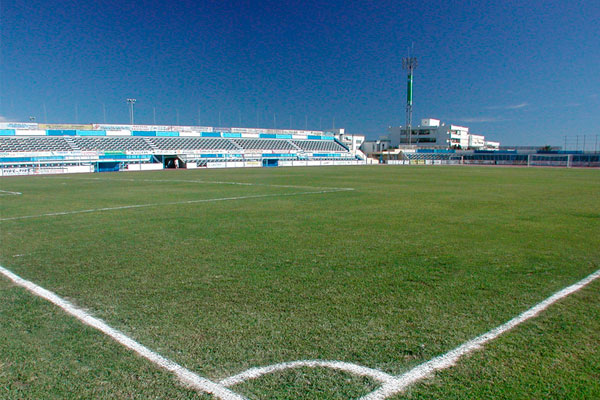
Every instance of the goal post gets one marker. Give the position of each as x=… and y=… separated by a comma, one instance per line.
x=549, y=160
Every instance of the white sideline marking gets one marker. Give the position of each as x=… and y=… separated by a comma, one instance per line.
x=212, y=182
x=450, y=358
x=258, y=196
x=7, y=193
x=185, y=376
x=355, y=369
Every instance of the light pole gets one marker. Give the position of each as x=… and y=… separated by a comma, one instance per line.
x=131, y=103
x=409, y=64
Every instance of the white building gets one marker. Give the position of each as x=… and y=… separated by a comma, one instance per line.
x=434, y=134
x=351, y=141
x=375, y=146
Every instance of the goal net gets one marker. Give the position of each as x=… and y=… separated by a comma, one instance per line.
x=549, y=160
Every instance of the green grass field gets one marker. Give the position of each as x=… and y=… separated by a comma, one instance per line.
x=221, y=276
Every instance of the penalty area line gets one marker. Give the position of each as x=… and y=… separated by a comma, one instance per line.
x=211, y=183
x=187, y=377
x=7, y=193
x=172, y=203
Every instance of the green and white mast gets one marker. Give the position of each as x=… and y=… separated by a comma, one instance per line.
x=409, y=64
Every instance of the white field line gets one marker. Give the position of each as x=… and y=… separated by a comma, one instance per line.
x=355, y=369
x=395, y=384
x=92, y=210
x=425, y=370
x=391, y=384
x=186, y=376
x=212, y=182
x=7, y=193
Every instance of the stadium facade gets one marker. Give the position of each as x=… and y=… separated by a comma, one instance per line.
x=432, y=133
x=433, y=142
x=32, y=148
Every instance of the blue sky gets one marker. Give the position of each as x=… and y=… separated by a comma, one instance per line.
x=520, y=72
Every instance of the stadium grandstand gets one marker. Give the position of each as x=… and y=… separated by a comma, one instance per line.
x=32, y=148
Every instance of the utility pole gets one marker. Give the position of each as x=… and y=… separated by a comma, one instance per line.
x=409, y=64
x=131, y=103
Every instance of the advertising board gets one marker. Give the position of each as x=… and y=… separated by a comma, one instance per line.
x=59, y=127
x=18, y=125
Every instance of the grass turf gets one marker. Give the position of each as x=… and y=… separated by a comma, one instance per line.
x=410, y=264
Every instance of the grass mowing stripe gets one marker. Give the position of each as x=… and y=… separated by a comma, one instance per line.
x=258, y=196
x=450, y=358
x=186, y=376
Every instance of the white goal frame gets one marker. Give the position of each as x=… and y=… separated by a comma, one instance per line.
x=549, y=160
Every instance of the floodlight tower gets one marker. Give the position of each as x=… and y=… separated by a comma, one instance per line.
x=409, y=64
x=131, y=103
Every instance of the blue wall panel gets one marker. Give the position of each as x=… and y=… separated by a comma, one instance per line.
x=166, y=133
x=211, y=155
x=231, y=135
x=326, y=155
x=91, y=133
x=31, y=159
x=7, y=132
x=271, y=155
x=108, y=166
x=210, y=134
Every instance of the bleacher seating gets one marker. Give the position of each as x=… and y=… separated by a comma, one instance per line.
x=264, y=144
x=111, y=143
x=318, y=145
x=157, y=144
x=24, y=148
x=183, y=143
x=33, y=144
